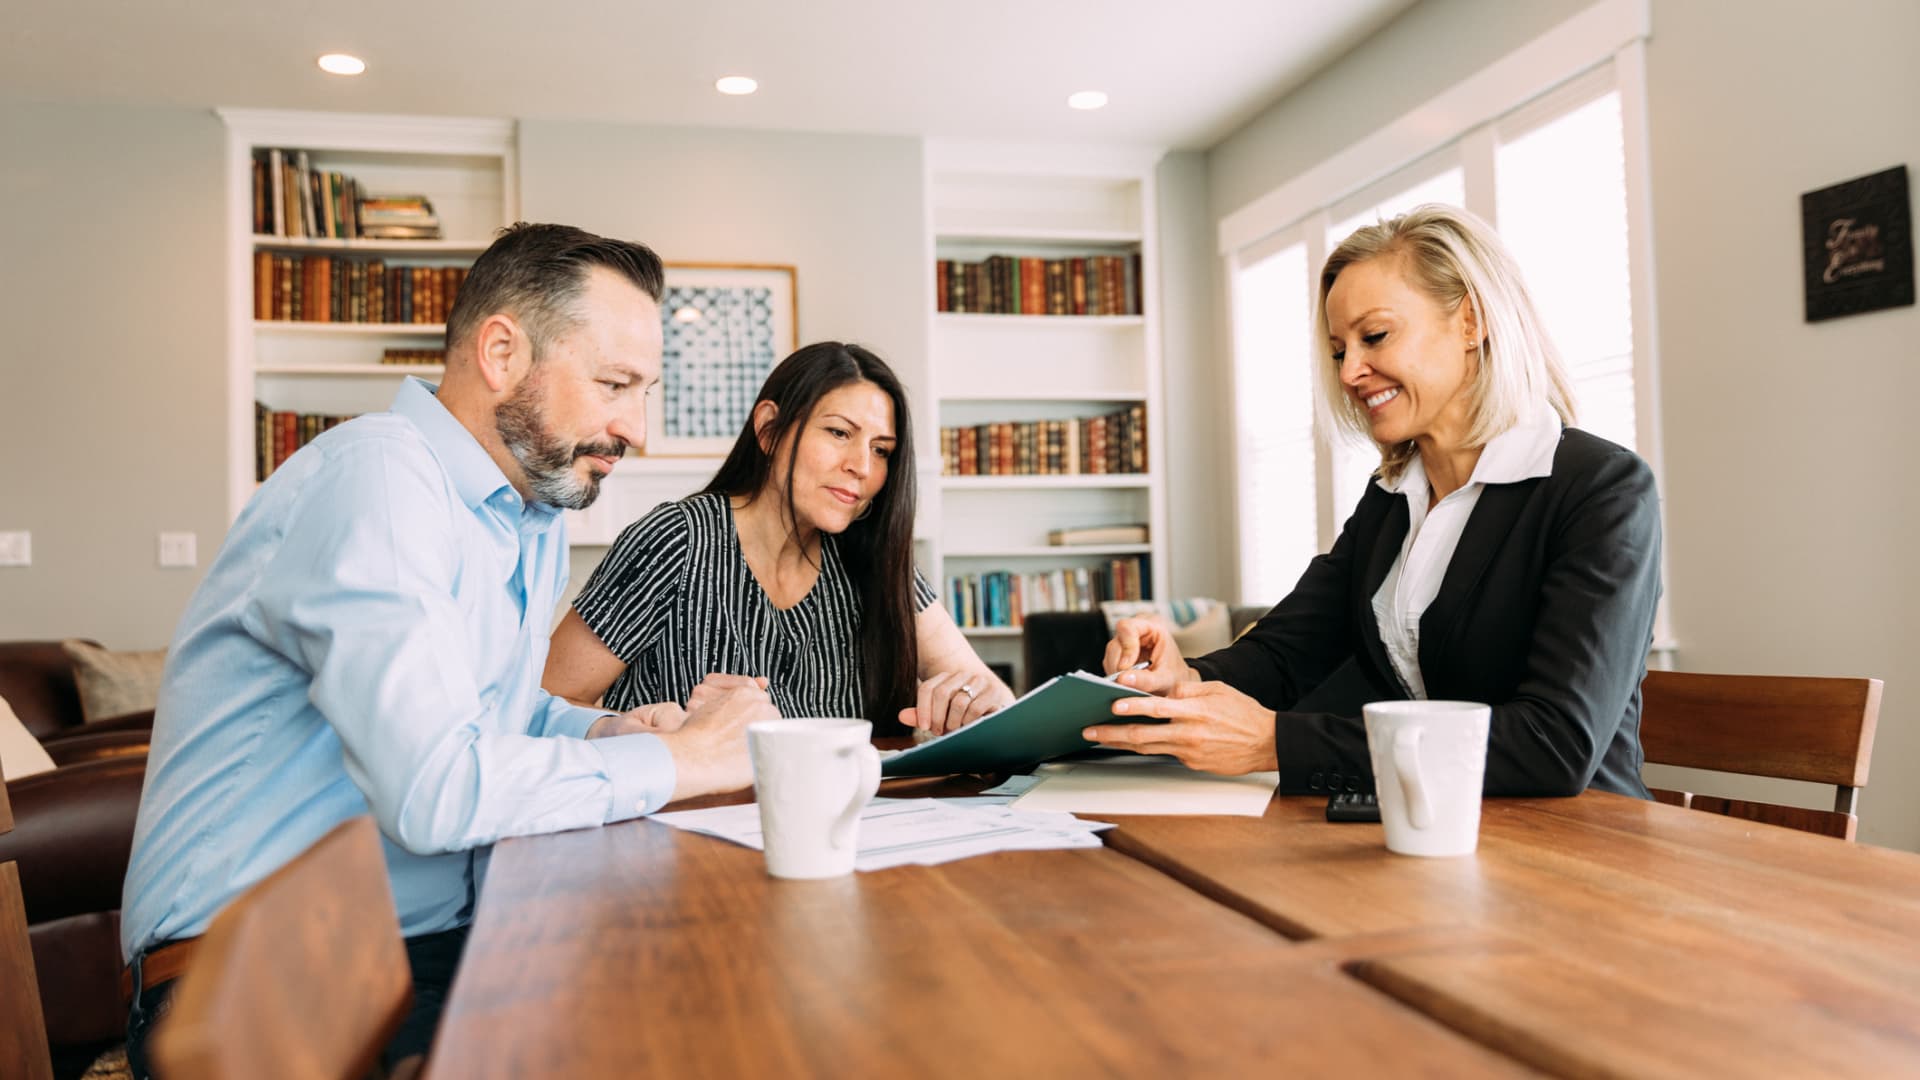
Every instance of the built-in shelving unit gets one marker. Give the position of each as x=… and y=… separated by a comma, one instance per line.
x=1050, y=204
x=465, y=167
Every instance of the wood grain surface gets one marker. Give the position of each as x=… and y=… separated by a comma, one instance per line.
x=1596, y=936
x=23, y=1029
x=639, y=950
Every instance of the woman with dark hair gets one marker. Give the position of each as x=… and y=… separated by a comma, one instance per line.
x=792, y=568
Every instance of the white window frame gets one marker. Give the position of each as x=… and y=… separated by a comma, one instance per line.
x=1463, y=120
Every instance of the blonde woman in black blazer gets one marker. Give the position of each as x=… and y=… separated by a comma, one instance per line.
x=1543, y=607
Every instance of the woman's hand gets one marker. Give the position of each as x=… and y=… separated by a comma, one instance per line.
x=718, y=685
x=645, y=719
x=951, y=700
x=1210, y=726
x=1142, y=638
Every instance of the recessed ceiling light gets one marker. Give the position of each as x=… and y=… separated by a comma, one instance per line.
x=687, y=315
x=335, y=63
x=735, y=84
x=1087, y=99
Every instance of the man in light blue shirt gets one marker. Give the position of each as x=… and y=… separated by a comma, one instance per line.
x=371, y=636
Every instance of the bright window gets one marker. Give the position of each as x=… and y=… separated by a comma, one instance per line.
x=1562, y=209
x=1273, y=396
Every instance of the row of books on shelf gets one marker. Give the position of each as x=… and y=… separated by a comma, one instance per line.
x=327, y=288
x=1020, y=285
x=413, y=357
x=1006, y=598
x=277, y=434
x=293, y=199
x=1114, y=443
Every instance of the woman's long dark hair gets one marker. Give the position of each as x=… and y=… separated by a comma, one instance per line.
x=878, y=548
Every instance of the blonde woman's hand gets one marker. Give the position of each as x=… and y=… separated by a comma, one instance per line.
x=1149, y=640
x=1209, y=726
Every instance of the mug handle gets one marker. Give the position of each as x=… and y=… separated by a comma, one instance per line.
x=869, y=762
x=1406, y=764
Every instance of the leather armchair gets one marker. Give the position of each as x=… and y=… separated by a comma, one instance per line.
x=72, y=835
x=36, y=679
x=1056, y=642
x=73, y=832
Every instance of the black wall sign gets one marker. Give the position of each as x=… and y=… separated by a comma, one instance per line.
x=1857, y=241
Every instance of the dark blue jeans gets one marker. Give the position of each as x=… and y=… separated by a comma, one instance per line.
x=434, y=958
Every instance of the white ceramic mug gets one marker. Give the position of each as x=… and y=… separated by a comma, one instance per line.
x=812, y=777
x=1429, y=758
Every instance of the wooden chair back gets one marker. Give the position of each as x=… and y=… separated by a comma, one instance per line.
x=23, y=1027
x=303, y=977
x=1789, y=727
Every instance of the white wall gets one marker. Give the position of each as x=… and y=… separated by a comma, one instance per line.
x=1789, y=516
x=844, y=210
x=1434, y=45
x=112, y=368
x=1199, y=549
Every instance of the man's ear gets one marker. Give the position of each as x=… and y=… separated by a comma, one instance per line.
x=764, y=414
x=498, y=348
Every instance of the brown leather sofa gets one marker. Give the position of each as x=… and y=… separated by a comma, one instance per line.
x=73, y=831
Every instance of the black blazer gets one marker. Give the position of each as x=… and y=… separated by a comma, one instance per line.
x=1545, y=613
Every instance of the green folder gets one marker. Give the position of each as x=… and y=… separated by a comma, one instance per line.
x=1043, y=725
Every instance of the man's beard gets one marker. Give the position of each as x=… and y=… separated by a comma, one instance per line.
x=546, y=458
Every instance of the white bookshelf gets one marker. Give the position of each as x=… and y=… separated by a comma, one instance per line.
x=1043, y=483
x=1051, y=202
x=352, y=371
x=467, y=167
x=290, y=327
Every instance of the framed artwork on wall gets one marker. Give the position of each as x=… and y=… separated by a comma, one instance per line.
x=724, y=327
x=1857, y=245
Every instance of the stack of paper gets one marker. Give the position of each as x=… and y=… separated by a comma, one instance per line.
x=1131, y=784
x=902, y=832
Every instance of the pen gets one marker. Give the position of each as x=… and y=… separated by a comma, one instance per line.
x=1115, y=677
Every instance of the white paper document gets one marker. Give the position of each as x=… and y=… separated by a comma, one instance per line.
x=1133, y=784
x=1012, y=786
x=901, y=832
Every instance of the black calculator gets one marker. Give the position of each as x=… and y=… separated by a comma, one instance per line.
x=1348, y=806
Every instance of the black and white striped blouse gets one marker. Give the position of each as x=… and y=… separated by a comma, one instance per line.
x=675, y=600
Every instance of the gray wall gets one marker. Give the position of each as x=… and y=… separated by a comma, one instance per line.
x=113, y=370
x=1788, y=514
x=845, y=210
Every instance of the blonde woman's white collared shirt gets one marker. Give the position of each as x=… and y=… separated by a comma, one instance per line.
x=1522, y=452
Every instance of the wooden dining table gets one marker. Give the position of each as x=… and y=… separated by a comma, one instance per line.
x=1592, y=936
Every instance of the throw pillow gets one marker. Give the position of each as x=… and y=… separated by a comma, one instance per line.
x=20, y=753
x=1208, y=632
x=114, y=683
x=1200, y=625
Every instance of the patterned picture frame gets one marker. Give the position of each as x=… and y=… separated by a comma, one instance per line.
x=724, y=326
